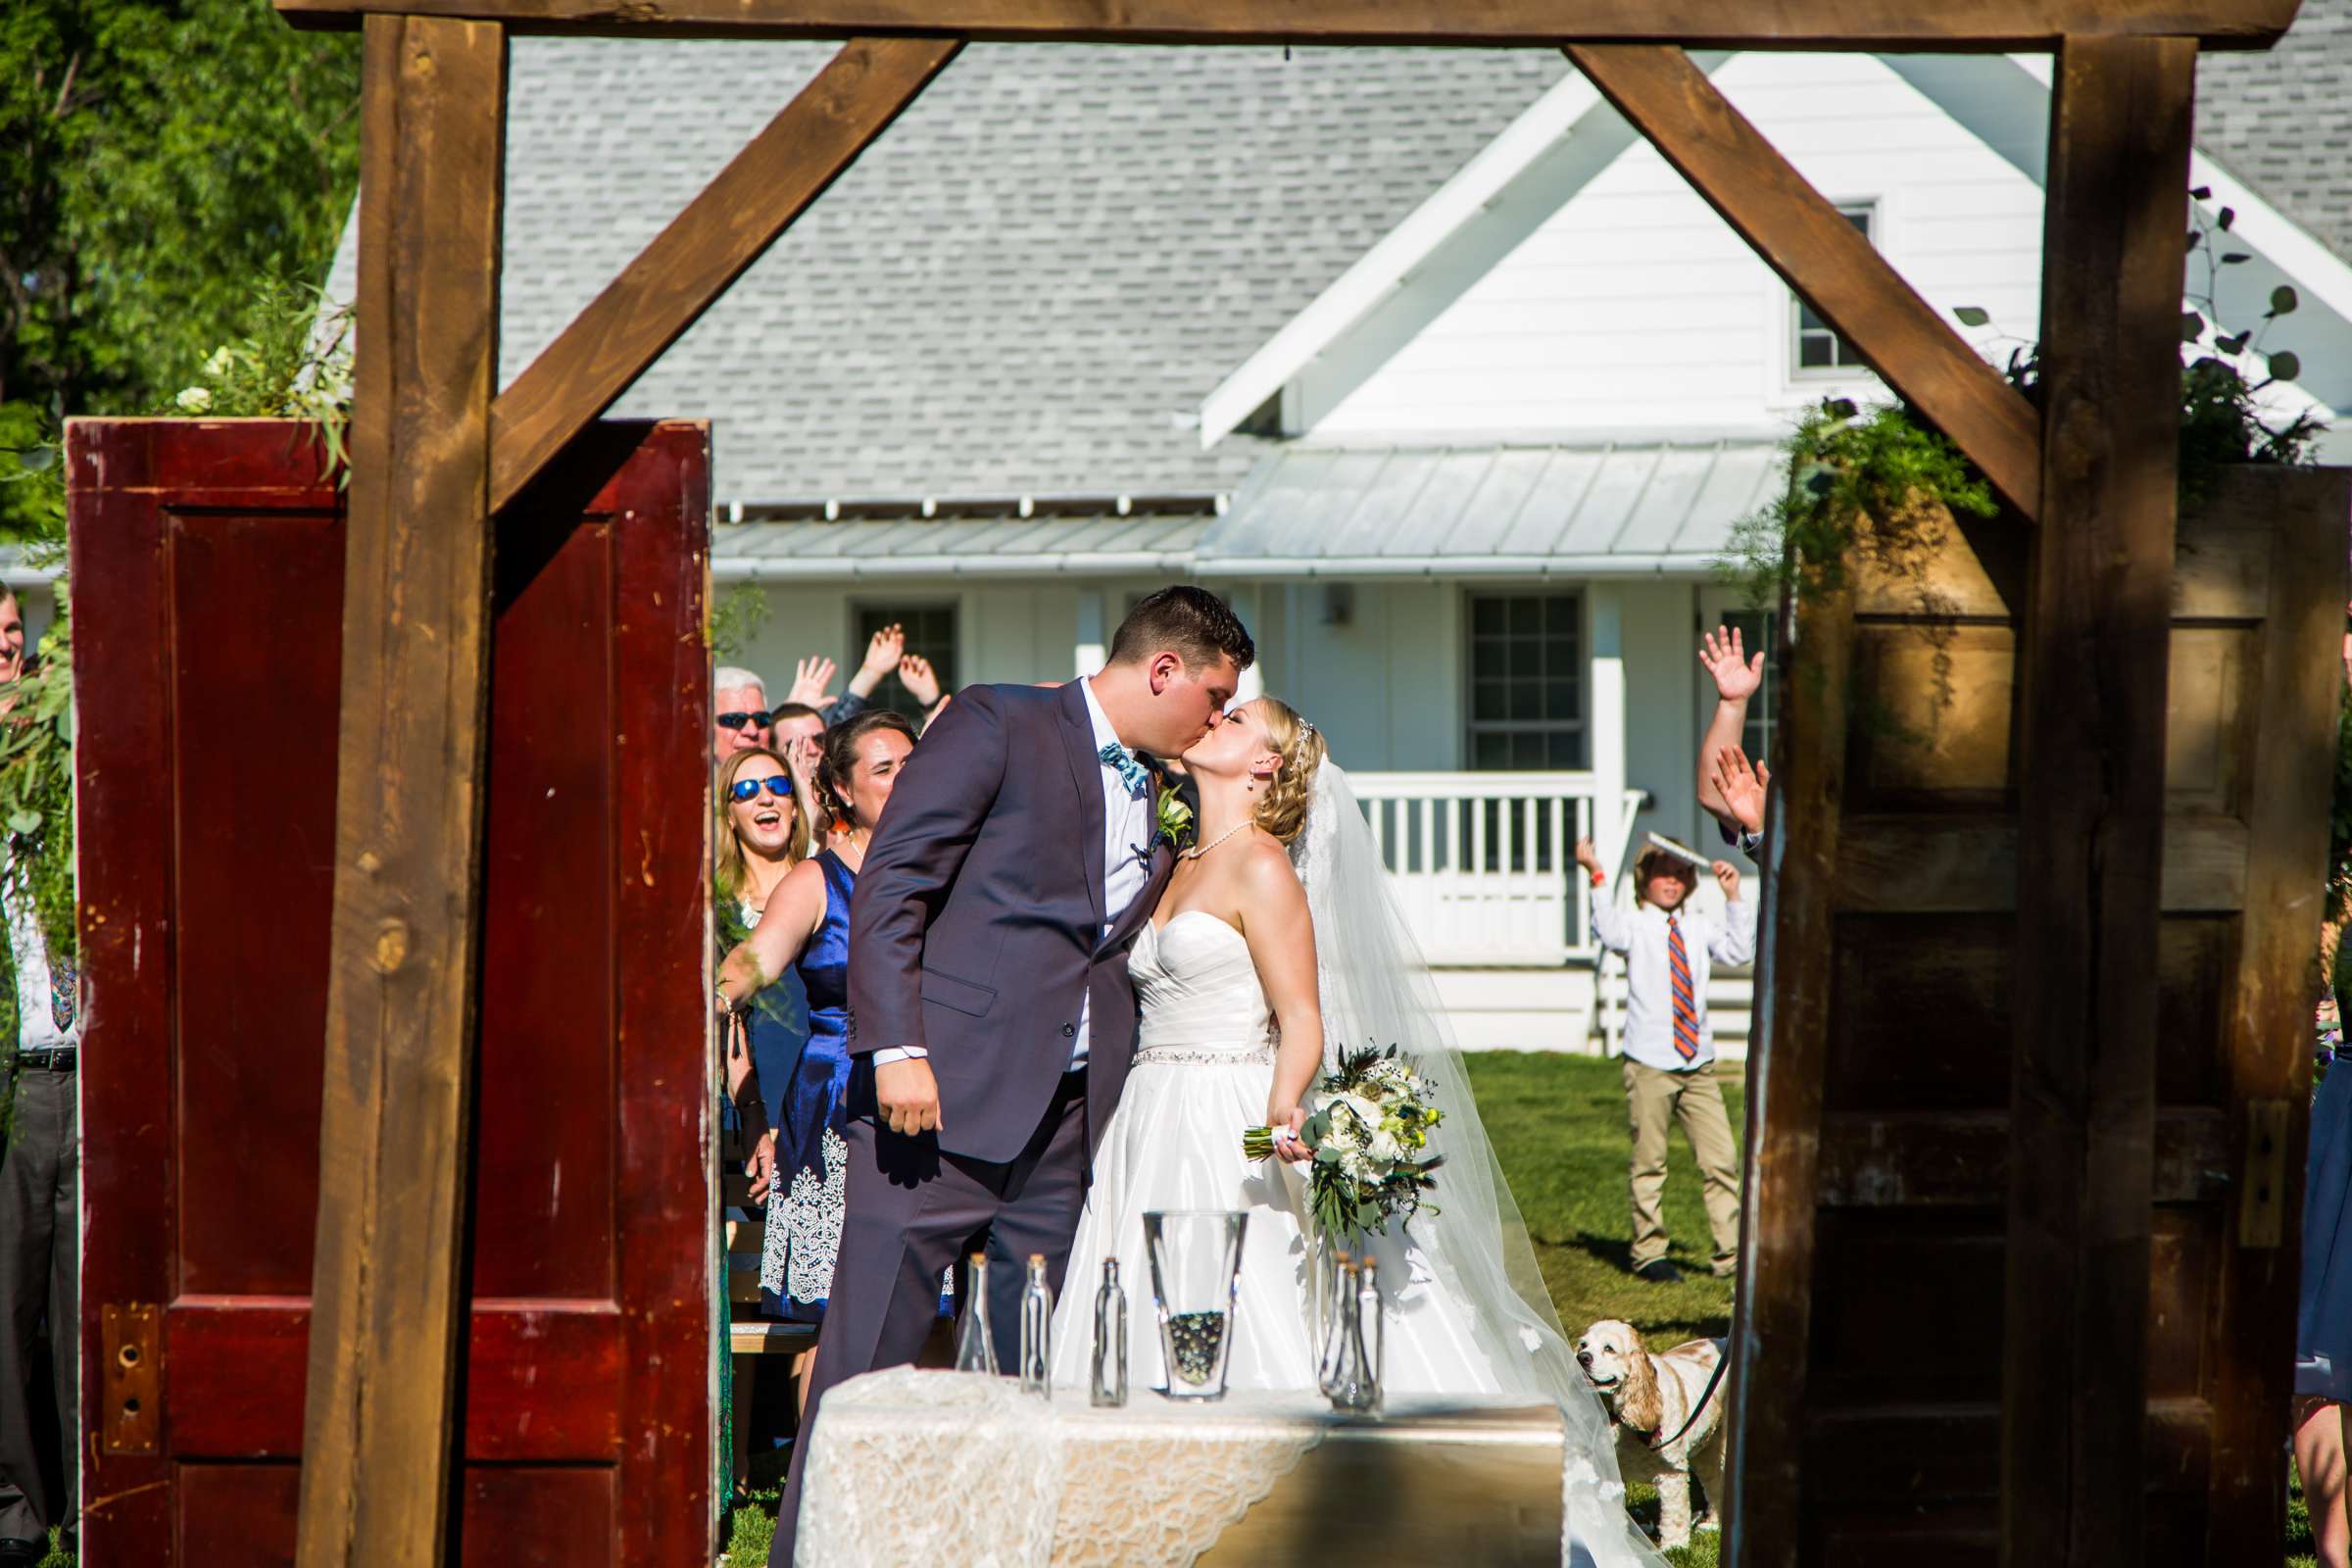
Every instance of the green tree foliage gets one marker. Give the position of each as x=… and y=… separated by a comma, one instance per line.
x=158, y=159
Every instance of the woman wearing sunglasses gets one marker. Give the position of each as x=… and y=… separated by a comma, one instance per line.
x=806, y=928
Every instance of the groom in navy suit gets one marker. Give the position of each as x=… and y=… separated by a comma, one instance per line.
x=991, y=1011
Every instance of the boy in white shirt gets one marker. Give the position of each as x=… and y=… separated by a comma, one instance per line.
x=1669, y=1055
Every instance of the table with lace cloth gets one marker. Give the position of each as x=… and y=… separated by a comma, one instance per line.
x=915, y=1469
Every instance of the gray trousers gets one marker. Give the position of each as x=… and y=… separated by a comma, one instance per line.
x=39, y=1247
x=908, y=1213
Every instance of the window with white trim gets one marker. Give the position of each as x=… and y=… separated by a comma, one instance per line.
x=1816, y=348
x=1527, y=681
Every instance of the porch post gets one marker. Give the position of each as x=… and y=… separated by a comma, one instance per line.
x=1093, y=637
x=1604, y=715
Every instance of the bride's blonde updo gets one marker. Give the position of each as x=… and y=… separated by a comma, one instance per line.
x=1282, y=811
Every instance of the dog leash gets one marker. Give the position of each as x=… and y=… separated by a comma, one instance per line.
x=1704, y=1394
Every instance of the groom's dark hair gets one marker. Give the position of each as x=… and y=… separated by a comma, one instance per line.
x=1191, y=622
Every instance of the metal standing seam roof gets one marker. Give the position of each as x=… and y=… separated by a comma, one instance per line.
x=1557, y=509
x=913, y=546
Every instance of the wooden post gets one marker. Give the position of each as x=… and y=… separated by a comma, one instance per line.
x=378, y=1438
x=2095, y=643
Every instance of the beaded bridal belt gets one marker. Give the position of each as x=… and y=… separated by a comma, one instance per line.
x=1198, y=1056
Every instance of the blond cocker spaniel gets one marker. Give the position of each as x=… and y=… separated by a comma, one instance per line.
x=1669, y=1411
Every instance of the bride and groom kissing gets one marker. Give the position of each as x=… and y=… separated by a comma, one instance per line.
x=1060, y=1018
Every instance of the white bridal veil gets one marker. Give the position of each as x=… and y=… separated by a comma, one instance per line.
x=1377, y=991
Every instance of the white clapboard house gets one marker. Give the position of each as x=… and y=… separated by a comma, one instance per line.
x=1421, y=357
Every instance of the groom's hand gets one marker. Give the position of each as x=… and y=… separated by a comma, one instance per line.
x=909, y=1096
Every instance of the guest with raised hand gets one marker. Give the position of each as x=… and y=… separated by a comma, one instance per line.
x=885, y=650
x=1738, y=676
x=922, y=684
x=809, y=678
x=799, y=739
x=806, y=928
x=1744, y=788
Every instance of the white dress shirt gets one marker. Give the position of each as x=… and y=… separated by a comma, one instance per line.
x=1640, y=933
x=1126, y=866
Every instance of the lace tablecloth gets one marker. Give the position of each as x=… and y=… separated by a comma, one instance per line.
x=916, y=1469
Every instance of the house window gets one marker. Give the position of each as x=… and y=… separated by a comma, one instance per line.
x=1758, y=629
x=1527, y=681
x=1817, y=350
x=930, y=632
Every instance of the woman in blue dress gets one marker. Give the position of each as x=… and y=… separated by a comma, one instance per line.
x=806, y=928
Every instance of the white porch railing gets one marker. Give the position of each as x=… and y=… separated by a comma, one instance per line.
x=1485, y=863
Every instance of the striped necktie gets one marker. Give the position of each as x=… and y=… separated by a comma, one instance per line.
x=1686, y=1000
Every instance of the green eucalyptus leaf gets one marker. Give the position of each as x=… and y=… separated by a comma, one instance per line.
x=2192, y=327
x=2285, y=366
x=2228, y=217
x=2202, y=193
x=1972, y=316
x=24, y=821
x=2197, y=237
x=37, y=459
x=2283, y=299
x=2232, y=257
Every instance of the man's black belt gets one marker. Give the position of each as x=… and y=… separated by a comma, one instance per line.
x=58, y=1058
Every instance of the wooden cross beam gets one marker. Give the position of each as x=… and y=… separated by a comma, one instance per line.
x=1835, y=267
x=409, y=799
x=1978, y=24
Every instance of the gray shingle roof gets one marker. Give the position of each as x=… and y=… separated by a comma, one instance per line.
x=1027, y=285
x=2281, y=121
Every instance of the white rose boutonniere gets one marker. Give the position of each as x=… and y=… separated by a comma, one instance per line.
x=1175, y=818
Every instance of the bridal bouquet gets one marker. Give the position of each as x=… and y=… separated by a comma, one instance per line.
x=1367, y=1138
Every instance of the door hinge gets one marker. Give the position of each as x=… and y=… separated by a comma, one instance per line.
x=2262, y=1196
x=134, y=1363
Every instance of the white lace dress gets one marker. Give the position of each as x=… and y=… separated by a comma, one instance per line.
x=1202, y=1069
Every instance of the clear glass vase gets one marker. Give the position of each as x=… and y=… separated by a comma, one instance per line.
x=1354, y=1380
x=1196, y=1269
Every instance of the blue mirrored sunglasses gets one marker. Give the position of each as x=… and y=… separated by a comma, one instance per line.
x=745, y=789
x=759, y=719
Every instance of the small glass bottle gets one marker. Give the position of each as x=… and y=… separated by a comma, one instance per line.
x=1352, y=1387
x=1111, y=1338
x=1337, y=1303
x=1037, y=1330
x=976, y=1345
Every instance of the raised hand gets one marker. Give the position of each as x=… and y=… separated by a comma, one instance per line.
x=921, y=680
x=883, y=651
x=1588, y=856
x=1742, y=786
x=1727, y=877
x=810, y=679
x=1737, y=677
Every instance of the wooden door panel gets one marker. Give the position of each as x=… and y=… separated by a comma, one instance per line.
x=1880, y=1198
x=537, y=1517
x=207, y=677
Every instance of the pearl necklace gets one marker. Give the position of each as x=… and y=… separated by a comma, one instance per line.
x=1199, y=850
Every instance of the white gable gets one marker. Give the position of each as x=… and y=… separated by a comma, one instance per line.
x=1635, y=309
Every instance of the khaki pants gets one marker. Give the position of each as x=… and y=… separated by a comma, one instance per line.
x=1653, y=1098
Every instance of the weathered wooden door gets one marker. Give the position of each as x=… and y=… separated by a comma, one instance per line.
x=207, y=570
x=1869, y=1337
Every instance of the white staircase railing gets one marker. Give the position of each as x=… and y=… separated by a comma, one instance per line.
x=1485, y=863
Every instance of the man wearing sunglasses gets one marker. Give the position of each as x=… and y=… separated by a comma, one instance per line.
x=739, y=697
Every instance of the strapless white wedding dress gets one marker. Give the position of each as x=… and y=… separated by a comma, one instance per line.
x=1203, y=1066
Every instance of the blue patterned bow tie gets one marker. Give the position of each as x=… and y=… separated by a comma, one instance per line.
x=1131, y=771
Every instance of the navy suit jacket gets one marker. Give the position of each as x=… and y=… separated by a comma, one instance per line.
x=977, y=928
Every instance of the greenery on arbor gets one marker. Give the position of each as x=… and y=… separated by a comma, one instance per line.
x=159, y=160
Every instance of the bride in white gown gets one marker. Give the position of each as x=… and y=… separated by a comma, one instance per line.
x=1275, y=943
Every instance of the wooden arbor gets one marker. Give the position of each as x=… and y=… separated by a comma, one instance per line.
x=438, y=450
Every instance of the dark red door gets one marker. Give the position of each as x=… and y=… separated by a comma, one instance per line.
x=208, y=578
